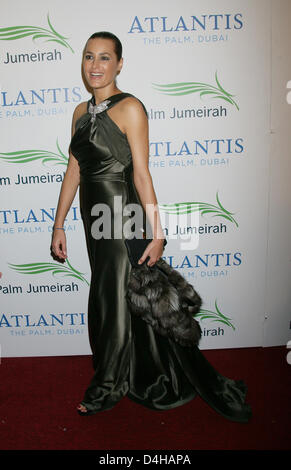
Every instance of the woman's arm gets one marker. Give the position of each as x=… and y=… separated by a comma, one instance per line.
x=137, y=132
x=67, y=194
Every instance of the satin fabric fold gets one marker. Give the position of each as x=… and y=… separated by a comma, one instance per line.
x=129, y=358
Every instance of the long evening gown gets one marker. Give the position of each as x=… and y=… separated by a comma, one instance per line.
x=129, y=358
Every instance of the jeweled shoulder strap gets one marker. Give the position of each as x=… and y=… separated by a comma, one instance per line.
x=110, y=102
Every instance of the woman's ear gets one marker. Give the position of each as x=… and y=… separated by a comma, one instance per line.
x=120, y=65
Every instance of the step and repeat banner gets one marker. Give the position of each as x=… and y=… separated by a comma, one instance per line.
x=203, y=71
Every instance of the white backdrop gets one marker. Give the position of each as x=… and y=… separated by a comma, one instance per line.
x=209, y=147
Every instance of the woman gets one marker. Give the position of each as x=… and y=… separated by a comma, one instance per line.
x=108, y=159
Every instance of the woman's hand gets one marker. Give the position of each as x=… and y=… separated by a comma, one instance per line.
x=154, y=250
x=59, y=244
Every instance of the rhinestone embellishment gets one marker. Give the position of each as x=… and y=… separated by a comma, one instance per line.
x=98, y=108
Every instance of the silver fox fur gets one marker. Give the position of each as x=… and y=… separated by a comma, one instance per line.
x=163, y=298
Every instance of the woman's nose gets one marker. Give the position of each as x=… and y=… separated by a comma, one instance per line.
x=94, y=63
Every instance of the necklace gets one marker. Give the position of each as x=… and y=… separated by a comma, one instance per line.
x=97, y=108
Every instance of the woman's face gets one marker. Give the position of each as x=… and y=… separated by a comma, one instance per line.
x=100, y=63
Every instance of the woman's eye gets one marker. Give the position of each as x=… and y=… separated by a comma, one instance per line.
x=88, y=56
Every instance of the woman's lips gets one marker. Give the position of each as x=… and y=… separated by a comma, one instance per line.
x=96, y=75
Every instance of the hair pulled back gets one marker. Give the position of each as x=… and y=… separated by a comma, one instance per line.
x=112, y=37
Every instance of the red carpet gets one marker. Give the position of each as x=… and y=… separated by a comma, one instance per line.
x=38, y=397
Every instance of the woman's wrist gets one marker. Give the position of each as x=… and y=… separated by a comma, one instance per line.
x=159, y=236
x=161, y=239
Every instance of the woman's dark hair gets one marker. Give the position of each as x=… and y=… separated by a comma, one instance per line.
x=107, y=35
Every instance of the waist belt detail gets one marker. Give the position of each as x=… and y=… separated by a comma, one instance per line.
x=106, y=177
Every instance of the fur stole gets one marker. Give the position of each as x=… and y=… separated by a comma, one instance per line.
x=163, y=298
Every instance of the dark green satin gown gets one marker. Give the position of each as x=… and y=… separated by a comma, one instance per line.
x=129, y=358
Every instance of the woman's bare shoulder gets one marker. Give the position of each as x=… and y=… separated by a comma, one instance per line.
x=80, y=109
x=133, y=106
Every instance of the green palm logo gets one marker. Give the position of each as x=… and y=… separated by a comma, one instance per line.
x=18, y=32
x=202, y=207
x=55, y=268
x=186, y=88
x=26, y=156
x=215, y=316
